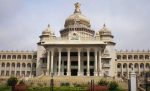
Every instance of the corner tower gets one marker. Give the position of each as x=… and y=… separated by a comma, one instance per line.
x=109, y=53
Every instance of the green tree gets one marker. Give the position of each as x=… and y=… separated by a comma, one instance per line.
x=113, y=85
x=12, y=81
x=103, y=82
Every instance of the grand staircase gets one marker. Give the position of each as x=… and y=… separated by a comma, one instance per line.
x=75, y=80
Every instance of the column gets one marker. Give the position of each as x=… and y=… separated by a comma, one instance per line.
x=100, y=64
x=0, y=68
x=88, y=62
x=10, y=69
x=15, y=68
x=79, y=62
x=68, y=62
x=5, y=69
x=20, y=74
x=127, y=70
x=48, y=59
x=139, y=68
x=59, y=62
x=121, y=69
x=52, y=62
x=95, y=71
x=26, y=70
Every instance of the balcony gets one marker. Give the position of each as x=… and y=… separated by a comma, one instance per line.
x=106, y=56
x=106, y=66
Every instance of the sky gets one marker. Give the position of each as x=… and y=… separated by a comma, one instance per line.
x=22, y=21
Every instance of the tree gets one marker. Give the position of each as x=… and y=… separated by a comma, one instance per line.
x=12, y=81
x=113, y=85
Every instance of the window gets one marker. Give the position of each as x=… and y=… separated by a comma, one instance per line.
x=73, y=54
x=85, y=63
x=74, y=63
x=64, y=54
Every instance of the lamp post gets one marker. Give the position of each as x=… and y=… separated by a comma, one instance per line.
x=52, y=83
x=147, y=75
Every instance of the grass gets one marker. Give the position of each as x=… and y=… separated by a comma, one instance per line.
x=5, y=88
x=62, y=88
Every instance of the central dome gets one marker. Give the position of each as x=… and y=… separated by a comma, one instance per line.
x=77, y=18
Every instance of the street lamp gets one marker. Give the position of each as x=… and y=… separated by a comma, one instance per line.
x=147, y=75
x=52, y=83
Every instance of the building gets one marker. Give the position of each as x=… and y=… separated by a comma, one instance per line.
x=79, y=51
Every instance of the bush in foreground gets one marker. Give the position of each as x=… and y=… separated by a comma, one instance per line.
x=12, y=81
x=113, y=85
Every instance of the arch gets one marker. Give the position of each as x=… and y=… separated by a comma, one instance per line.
x=141, y=57
x=2, y=72
x=14, y=57
x=34, y=56
x=34, y=65
x=119, y=65
x=136, y=65
x=24, y=57
x=125, y=65
x=3, y=64
x=19, y=57
x=18, y=65
x=124, y=57
x=13, y=64
x=8, y=65
x=29, y=56
x=29, y=65
x=130, y=57
x=135, y=57
x=23, y=65
x=147, y=66
x=147, y=57
x=130, y=65
x=119, y=57
x=8, y=56
x=4, y=57
x=142, y=65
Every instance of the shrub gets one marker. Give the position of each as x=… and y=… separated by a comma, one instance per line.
x=99, y=88
x=103, y=82
x=113, y=85
x=76, y=85
x=65, y=84
x=12, y=81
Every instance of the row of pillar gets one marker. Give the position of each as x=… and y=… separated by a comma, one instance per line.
x=50, y=56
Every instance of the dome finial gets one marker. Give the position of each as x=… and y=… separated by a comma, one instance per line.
x=104, y=25
x=48, y=25
x=77, y=8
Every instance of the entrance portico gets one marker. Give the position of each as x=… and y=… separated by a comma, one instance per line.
x=73, y=61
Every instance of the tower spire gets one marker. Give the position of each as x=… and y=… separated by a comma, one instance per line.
x=77, y=7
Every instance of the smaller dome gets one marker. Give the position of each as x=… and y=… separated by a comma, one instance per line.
x=48, y=31
x=105, y=30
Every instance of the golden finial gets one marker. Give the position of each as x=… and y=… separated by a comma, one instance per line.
x=77, y=8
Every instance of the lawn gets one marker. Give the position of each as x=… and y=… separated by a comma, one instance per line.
x=63, y=88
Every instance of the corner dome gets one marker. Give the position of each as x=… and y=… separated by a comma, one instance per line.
x=77, y=18
x=105, y=30
x=48, y=31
